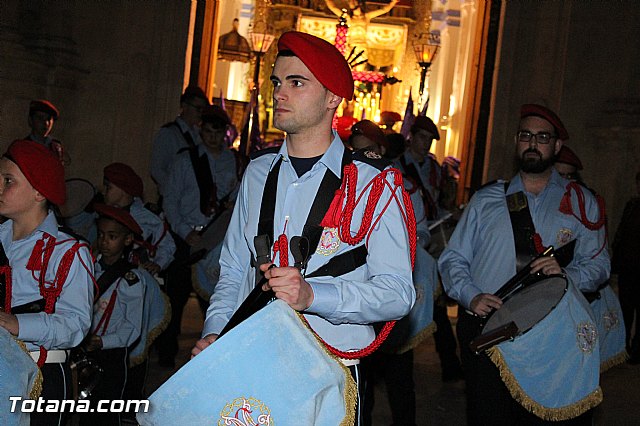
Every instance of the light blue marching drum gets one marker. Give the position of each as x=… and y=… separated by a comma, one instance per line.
x=611, y=331
x=269, y=370
x=411, y=330
x=156, y=314
x=553, y=369
x=207, y=272
x=19, y=377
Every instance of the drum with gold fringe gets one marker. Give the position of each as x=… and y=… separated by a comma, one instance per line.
x=207, y=272
x=611, y=332
x=411, y=330
x=156, y=314
x=19, y=377
x=269, y=370
x=552, y=370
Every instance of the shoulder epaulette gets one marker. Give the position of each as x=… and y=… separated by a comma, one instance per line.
x=371, y=158
x=260, y=153
x=494, y=182
x=131, y=278
x=169, y=124
x=72, y=233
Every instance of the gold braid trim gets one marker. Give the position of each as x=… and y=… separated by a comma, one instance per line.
x=153, y=333
x=36, y=387
x=417, y=339
x=613, y=361
x=197, y=287
x=350, y=388
x=549, y=414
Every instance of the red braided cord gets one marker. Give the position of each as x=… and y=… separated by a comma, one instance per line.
x=351, y=177
x=537, y=242
x=106, y=316
x=567, y=207
x=6, y=271
x=283, y=247
x=371, y=348
x=52, y=293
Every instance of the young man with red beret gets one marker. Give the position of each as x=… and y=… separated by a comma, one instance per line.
x=506, y=226
x=280, y=198
x=568, y=164
x=202, y=185
x=420, y=167
x=118, y=309
x=367, y=135
x=123, y=188
x=42, y=115
x=47, y=284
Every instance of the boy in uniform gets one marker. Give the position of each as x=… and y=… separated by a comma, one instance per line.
x=42, y=115
x=46, y=287
x=124, y=188
x=117, y=312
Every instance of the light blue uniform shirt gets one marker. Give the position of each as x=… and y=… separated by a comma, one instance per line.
x=481, y=256
x=166, y=144
x=153, y=225
x=126, y=319
x=182, y=197
x=424, y=172
x=67, y=326
x=343, y=307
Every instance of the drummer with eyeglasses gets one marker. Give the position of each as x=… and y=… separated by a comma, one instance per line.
x=505, y=226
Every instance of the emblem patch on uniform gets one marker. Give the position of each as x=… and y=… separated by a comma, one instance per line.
x=372, y=155
x=329, y=242
x=563, y=237
x=611, y=320
x=131, y=277
x=245, y=412
x=587, y=337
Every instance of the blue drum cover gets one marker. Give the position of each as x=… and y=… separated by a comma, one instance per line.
x=553, y=370
x=269, y=370
x=611, y=331
x=19, y=376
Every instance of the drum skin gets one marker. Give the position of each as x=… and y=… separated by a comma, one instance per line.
x=530, y=305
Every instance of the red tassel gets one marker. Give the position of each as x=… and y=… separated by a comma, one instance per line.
x=35, y=260
x=565, y=203
x=332, y=217
x=537, y=242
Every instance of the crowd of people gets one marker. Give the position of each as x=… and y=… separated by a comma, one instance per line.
x=337, y=228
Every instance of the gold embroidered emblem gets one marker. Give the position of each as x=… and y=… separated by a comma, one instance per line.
x=587, y=336
x=563, y=237
x=329, y=242
x=245, y=412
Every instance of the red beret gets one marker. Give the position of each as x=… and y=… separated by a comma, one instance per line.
x=124, y=178
x=528, y=110
x=43, y=105
x=343, y=126
x=567, y=156
x=214, y=114
x=41, y=167
x=370, y=130
x=322, y=58
x=390, y=116
x=425, y=123
x=119, y=215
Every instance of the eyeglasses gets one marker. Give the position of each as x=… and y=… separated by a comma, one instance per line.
x=541, y=138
